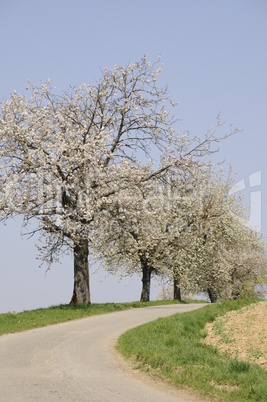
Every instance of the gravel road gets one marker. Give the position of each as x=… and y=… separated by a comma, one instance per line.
x=74, y=361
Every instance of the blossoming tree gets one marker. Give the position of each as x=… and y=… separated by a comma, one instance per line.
x=218, y=252
x=133, y=237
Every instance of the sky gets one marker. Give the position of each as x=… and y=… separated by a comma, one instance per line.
x=214, y=54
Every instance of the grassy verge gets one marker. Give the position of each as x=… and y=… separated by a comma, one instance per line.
x=17, y=322
x=171, y=348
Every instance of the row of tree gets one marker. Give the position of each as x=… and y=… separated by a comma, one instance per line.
x=103, y=168
x=189, y=230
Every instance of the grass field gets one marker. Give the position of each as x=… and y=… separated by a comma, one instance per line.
x=171, y=348
x=17, y=322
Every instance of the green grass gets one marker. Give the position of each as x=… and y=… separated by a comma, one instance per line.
x=171, y=347
x=17, y=322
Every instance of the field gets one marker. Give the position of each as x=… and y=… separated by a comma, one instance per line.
x=175, y=349
x=242, y=334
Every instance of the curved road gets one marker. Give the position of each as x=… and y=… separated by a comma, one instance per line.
x=74, y=361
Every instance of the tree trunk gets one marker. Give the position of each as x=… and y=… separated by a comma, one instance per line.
x=81, y=291
x=212, y=295
x=146, y=279
x=176, y=290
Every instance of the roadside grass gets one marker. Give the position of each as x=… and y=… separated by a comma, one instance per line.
x=17, y=322
x=171, y=348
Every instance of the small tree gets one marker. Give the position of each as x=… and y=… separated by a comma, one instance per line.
x=133, y=238
x=220, y=253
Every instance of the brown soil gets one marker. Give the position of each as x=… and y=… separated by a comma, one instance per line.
x=242, y=334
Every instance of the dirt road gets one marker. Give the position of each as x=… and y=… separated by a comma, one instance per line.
x=75, y=361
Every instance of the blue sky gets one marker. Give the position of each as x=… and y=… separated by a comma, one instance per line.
x=215, y=60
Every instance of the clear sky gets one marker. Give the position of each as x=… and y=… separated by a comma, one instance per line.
x=215, y=60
